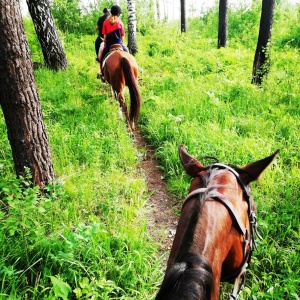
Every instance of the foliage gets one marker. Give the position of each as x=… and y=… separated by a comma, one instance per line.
x=50, y=250
x=237, y=31
x=71, y=17
x=87, y=237
x=288, y=36
x=67, y=15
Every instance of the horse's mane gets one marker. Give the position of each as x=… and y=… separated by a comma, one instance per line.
x=190, y=279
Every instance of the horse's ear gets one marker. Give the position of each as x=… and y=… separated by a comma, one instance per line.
x=254, y=170
x=190, y=164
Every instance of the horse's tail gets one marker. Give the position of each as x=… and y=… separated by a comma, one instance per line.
x=190, y=279
x=135, y=96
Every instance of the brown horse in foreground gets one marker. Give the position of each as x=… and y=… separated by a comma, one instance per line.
x=120, y=69
x=216, y=231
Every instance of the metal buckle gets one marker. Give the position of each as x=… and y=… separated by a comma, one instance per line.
x=254, y=228
x=239, y=285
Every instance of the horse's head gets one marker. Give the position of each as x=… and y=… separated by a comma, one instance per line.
x=218, y=220
x=226, y=177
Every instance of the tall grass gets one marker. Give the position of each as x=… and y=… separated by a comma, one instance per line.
x=87, y=238
x=203, y=98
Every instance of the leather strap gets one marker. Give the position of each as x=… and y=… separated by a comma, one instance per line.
x=232, y=211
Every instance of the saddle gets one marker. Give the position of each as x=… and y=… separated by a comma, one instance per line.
x=115, y=47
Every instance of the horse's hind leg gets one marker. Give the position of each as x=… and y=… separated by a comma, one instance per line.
x=119, y=94
x=124, y=108
x=114, y=93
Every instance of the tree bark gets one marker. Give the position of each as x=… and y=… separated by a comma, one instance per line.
x=261, y=64
x=183, y=16
x=157, y=10
x=19, y=98
x=53, y=51
x=154, y=10
x=132, y=42
x=223, y=23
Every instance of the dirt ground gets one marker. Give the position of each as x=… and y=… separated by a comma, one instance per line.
x=162, y=219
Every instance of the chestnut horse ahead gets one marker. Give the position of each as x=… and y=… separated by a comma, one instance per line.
x=216, y=231
x=120, y=69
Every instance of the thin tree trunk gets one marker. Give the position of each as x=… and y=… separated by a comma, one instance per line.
x=183, y=15
x=261, y=64
x=157, y=3
x=132, y=43
x=19, y=98
x=53, y=51
x=154, y=9
x=223, y=23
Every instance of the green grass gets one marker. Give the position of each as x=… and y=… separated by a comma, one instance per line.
x=88, y=236
x=203, y=99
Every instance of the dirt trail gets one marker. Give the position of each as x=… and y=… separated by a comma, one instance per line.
x=162, y=219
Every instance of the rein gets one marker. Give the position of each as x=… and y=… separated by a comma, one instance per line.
x=249, y=239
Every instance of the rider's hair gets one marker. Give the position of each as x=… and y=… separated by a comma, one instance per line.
x=113, y=19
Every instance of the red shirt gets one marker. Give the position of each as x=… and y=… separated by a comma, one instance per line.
x=114, y=33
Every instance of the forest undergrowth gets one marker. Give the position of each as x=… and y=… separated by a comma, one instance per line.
x=87, y=237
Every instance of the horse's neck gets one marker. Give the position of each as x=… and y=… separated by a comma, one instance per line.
x=212, y=239
x=208, y=233
x=212, y=231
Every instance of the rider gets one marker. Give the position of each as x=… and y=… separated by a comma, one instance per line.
x=113, y=32
x=99, y=26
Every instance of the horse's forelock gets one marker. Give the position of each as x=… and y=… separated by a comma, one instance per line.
x=215, y=175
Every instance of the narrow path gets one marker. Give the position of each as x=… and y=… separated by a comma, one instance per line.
x=162, y=219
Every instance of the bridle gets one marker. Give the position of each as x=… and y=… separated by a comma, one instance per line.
x=238, y=277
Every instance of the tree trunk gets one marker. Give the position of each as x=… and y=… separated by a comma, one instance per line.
x=183, y=16
x=53, y=51
x=132, y=43
x=157, y=10
x=261, y=64
x=223, y=23
x=19, y=98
